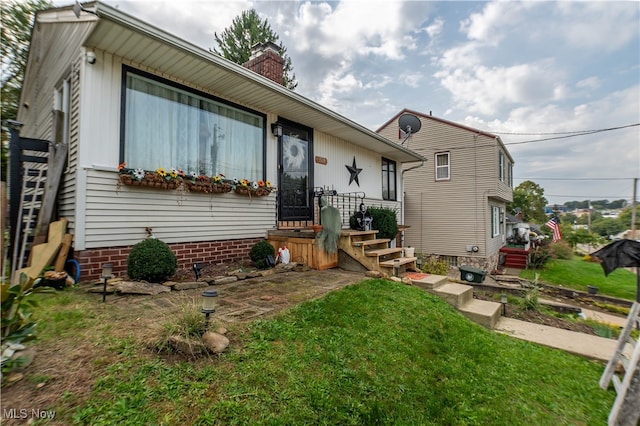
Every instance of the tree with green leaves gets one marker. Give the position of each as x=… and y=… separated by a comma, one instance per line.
x=246, y=30
x=528, y=198
x=17, y=21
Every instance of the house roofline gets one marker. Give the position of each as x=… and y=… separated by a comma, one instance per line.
x=450, y=123
x=107, y=12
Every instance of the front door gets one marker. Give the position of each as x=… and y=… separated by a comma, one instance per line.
x=295, y=178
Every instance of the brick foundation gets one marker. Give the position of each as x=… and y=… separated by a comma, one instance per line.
x=207, y=252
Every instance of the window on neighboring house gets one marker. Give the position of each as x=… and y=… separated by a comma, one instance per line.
x=510, y=175
x=388, y=180
x=501, y=168
x=495, y=221
x=168, y=125
x=442, y=166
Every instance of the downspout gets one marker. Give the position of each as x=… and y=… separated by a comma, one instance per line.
x=402, y=182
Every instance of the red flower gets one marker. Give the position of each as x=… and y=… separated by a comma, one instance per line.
x=122, y=165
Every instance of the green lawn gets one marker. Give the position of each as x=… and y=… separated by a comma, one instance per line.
x=578, y=274
x=373, y=353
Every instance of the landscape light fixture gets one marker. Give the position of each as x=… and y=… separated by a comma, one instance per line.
x=208, y=305
x=276, y=129
x=396, y=267
x=419, y=263
x=503, y=300
x=197, y=268
x=107, y=273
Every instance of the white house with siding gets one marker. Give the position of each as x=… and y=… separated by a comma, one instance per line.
x=133, y=93
x=455, y=204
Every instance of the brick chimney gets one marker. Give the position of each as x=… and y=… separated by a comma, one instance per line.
x=266, y=60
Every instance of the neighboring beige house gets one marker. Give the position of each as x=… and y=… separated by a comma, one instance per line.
x=455, y=203
x=131, y=92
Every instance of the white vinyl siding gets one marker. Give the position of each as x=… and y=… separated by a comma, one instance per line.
x=443, y=167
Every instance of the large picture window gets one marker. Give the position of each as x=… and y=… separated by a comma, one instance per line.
x=388, y=180
x=166, y=125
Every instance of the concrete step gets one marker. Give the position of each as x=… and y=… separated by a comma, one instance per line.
x=427, y=281
x=456, y=295
x=483, y=312
x=401, y=261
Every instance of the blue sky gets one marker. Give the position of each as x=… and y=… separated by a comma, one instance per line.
x=508, y=67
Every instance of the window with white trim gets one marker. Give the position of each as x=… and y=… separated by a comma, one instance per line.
x=442, y=166
x=495, y=221
x=388, y=179
x=171, y=126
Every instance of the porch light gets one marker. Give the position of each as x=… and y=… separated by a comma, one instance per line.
x=503, y=300
x=107, y=273
x=208, y=305
x=276, y=129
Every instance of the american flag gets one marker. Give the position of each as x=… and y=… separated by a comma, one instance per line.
x=553, y=224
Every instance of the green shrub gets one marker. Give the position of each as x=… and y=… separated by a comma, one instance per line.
x=540, y=255
x=433, y=265
x=151, y=260
x=259, y=253
x=530, y=300
x=384, y=221
x=18, y=324
x=561, y=250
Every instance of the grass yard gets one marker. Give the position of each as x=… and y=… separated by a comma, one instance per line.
x=578, y=274
x=375, y=352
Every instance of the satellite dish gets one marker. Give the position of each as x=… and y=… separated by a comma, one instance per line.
x=409, y=123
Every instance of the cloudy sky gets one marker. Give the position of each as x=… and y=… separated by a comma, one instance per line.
x=524, y=70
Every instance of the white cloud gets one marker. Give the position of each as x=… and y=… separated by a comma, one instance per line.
x=488, y=90
x=599, y=25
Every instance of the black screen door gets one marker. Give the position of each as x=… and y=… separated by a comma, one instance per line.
x=295, y=186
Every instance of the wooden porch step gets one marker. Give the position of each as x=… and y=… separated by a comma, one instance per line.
x=353, y=232
x=382, y=252
x=401, y=261
x=371, y=242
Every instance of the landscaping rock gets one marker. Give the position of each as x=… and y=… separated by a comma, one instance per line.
x=396, y=279
x=285, y=267
x=189, y=285
x=267, y=272
x=406, y=280
x=224, y=280
x=140, y=287
x=215, y=342
x=374, y=274
x=221, y=330
x=186, y=346
x=301, y=268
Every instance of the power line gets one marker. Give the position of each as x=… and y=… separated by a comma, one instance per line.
x=558, y=133
x=552, y=178
x=572, y=135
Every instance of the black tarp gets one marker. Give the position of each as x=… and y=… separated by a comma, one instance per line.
x=620, y=254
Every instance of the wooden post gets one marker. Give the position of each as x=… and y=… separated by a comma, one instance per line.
x=55, y=170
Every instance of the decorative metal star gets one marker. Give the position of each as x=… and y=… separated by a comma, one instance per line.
x=354, y=170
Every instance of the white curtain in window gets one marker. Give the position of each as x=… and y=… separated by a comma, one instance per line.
x=168, y=127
